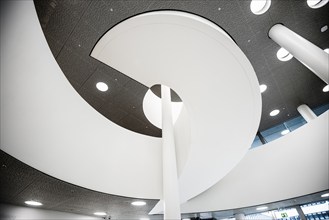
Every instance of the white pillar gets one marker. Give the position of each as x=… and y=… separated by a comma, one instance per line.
x=170, y=180
x=306, y=112
x=239, y=216
x=306, y=52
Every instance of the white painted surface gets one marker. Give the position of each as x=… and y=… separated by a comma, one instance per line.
x=291, y=166
x=210, y=73
x=153, y=112
x=171, y=202
x=310, y=55
x=10, y=212
x=46, y=124
x=306, y=112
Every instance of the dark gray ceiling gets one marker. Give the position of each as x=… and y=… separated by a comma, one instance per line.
x=20, y=182
x=72, y=28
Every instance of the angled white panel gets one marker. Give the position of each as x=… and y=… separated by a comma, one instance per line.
x=46, y=124
x=294, y=165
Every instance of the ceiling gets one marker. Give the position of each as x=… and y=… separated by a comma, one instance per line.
x=72, y=28
x=23, y=182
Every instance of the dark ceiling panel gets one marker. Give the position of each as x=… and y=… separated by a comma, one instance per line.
x=20, y=182
x=72, y=30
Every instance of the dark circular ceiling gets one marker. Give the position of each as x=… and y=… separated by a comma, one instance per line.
x=72, y=28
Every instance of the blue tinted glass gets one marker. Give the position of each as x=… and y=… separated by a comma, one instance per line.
x=256, y=142
x=319, y=110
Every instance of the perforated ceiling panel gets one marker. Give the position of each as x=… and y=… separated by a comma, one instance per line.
x=72, y=28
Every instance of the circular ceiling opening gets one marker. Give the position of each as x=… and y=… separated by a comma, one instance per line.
x=259, y=7
x=283, y=54
x=156, y=89
x=152, y=105
x=316, y=3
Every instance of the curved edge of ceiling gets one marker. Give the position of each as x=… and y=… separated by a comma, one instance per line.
x=292, y=166
x=210, y=74
x=46, y=124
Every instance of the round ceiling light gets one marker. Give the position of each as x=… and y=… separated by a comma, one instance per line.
x=138, y=203
x=102, y=86
x=33, y=203
x=274, y=112
x=283, y=54
x=262, y=208
x=259, y=7
x=324, y=28
x=325, y=195
x=262, y=88
x=326, y=88
x=317, y=3
x=284, y=132
x=326, y=50
x=100, y=213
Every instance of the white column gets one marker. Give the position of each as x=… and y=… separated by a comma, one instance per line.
x=170, y=180
x=239, y=216
x=306, y=52
x=306, y=112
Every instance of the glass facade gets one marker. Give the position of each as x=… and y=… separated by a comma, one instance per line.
x=275, y=132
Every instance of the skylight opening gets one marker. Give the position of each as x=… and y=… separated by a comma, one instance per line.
x=259, y=7
x=316, y=3
x=283, y=55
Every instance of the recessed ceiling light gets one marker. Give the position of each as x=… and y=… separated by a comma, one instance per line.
x=100, y=213
x=324, y=28
x=326, y=88
x=316, y=3
x=33, y=203
x=102, y=86
x=262, y=208
x=326, y=50
x=325, y=195
x=259, y=7
x=138, y=203
x=284, y=132
x=274, y=112
x=283, y=54
x=262, y=88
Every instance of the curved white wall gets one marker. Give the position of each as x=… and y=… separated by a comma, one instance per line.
x=210, y=73
x=291, y=166
x=46, y=124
